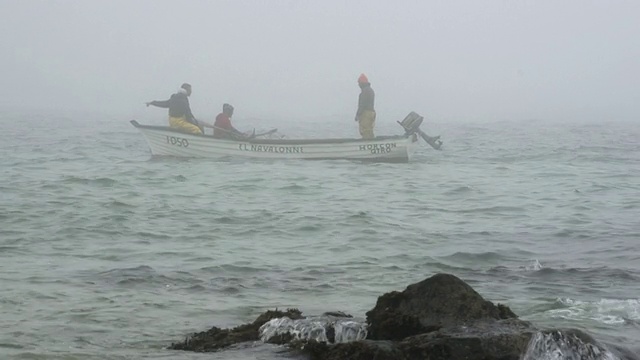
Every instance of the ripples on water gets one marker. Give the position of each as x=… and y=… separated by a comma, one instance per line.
x=105, y=253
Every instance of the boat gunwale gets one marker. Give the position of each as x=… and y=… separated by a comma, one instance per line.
x=273, y=141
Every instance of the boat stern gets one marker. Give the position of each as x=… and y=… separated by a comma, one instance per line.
x=412, y=145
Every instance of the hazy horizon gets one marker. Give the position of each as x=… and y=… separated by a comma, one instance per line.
x=464, y=60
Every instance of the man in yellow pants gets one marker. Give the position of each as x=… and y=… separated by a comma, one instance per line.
x=366, y=115
x=180, y=116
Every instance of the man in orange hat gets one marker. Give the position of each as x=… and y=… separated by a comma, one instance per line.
x=366, y=115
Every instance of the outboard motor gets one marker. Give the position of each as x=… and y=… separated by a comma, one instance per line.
x=411, y=125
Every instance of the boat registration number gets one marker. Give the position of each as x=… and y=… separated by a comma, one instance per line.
x=378, y=148
x=176, y=141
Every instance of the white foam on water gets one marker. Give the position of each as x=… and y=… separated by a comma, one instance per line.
x=560, y=346
x=346, y=330
x=535, y=265
x=606, y=311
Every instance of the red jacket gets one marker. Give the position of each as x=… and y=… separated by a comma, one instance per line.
x=223, y=122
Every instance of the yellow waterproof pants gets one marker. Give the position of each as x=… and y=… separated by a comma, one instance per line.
x=367, y=121
x=182, y=124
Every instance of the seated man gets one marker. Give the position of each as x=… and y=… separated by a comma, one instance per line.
x=222, y=128
x=180, y=115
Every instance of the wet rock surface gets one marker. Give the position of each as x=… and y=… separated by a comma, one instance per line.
x=439, y=318
x=325, y=329
x=359, y=350
x=439, y=301
x=216, y=338
x=487, y=339
x=572, y=344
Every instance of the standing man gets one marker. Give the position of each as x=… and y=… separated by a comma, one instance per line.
x=180, y=116
x=366, y=115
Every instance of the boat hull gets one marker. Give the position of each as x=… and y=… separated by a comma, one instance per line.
x=166, y=141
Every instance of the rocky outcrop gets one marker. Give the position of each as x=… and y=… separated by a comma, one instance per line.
x=576, y=343
x=216, y=338
x=440, y=301
x=486, y=339
x=333, y=327
x=439, y=318
x=359, y=350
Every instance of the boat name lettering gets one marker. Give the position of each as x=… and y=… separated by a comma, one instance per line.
x=177, y=141
x=378, y=148
x=278, y=149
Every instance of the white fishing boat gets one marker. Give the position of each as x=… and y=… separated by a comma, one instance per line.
x=168, y=141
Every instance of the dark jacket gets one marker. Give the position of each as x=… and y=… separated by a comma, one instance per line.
x=178, y=106
x=366, y=100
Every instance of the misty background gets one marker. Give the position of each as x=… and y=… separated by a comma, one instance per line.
x=448, y=60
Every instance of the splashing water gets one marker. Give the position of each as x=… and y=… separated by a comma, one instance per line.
x=534, y=266
x=346, y=330
x=349, y=330
x=560, y=346
x=607, y=311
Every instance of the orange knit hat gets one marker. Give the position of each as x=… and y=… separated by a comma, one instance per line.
x=363, y=79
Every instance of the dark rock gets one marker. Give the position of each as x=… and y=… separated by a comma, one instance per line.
x=574, y=333
x=364, y=350
x=625, y=354
x=359, y=350
x=504, y=312
x=331, y=333
x=440, y=301
x=330, y=329
x=337, y=314
x=216, y=338
x=281, y=339
x=293, y=314
x=439, y=318
x=485, y=340
x=575, y=342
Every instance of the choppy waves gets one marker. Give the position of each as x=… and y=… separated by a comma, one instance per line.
x=605, y=311
x=98, y=238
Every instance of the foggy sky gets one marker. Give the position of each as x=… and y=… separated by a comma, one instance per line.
x=448, y=60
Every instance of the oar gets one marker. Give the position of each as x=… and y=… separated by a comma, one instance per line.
x=219, y=128
x=266, y=133
x=253, y=135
